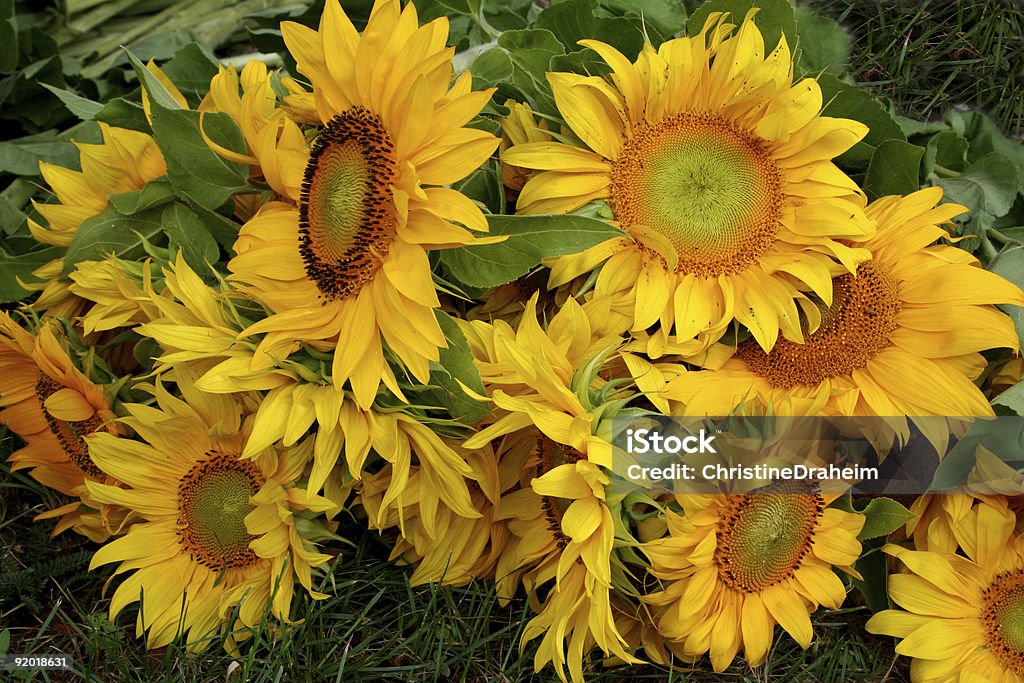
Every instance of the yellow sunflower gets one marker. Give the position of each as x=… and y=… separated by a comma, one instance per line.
x=719, y=168
x=125, y=161
x=734, y=566
x=218, y=532
x=901, y=337
x=347, y=266
x=961, y=618
x=550, y=403
x=52, y=406
x=455, y=549
x=519, y=128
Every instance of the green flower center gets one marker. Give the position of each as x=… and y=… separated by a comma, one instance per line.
x=708, y=188
x=69, y=434
x=853, y=330
x=346, y=212
x=1002, y=617
x=213, y=500
x=764, y=536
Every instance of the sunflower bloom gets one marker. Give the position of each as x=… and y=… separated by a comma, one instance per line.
x=553, y=485
x=901, y=337
x=53, y=406
x=960, y=617
x=347, y=264
x=217, y=531
x=124, y=162
x=734, y=566
x=719, y=168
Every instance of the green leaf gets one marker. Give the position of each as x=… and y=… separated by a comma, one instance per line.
x=989, y=184
x=491, y=68
x=223, y=229
x=1002, y=437
x=8, y=44
x=457, y=365
x=21, y=156
x=185, y=231
x=158, y=94
x=576, y=20
x=1012, y=398
x=110, y=233
x=884, y=516
x=847, y=101
x=82, y=107
x=824, y=45
x=124, y=113
x=20, y=266
x=873, y=566
x=946, y=149
x=531, y=52
x=985, y=136
x=666, y=17
x=893, y=169
x=155, y=193
x=775, y=18
x=195, y=170
x=191, y=69
x=531, y=239
x=5, y=641
x=1010, y=264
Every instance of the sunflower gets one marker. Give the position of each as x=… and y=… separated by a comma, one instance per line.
x=961, y=618
x=467, y=548
x=734, y=566
x=348, y=266
x=901, y=337
x=218, y=532
x=124, y=162
x=518, y=128
x=53, y=406
x=547, y=431
x=719, y=168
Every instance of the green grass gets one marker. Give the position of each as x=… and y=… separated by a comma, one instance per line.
x=931, y=55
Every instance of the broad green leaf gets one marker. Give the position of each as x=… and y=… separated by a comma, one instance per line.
x=984, y=136
x=82, y=107
x=155, y=193
x=1002, y=437
x=484, y=185
x=491, y=68
x=8, y=41
x=823, y=44
x=1010, y=264
x=110, y=233
x=195, y=170
x=191, y=69
x=123, y=113
x=158, y=94
x=1012, y=398
x=21, y=156
x=457, y=365
x=893, y=169
x=775, y=18
x=531, y=239
x=531, y=52
x=5, y=641
x=20, y=266
x=989, y=184
x=185, y=231
x=884, y=516
x=847, y=101
x=223, y=229
x=873, y=566
x=575, y=20
x=666, y=17
x=947, y=150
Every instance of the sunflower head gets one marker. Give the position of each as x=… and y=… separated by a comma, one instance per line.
x=720, y=168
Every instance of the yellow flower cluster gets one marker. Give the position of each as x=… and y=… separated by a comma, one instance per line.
x=208, y=426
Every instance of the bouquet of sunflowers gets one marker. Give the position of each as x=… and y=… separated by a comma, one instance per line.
x=414, y=286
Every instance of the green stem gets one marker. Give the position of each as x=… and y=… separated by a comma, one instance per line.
x=1005, y=239
x=944, y=172
x=988, y=250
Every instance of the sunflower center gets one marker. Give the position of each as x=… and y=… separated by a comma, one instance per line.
x=69, y=434
x=765, y=536
x=213, y=500
x=853, y=330
x=551, y=454
x=707, y=187
x=346, y=212
x=1002, y=617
